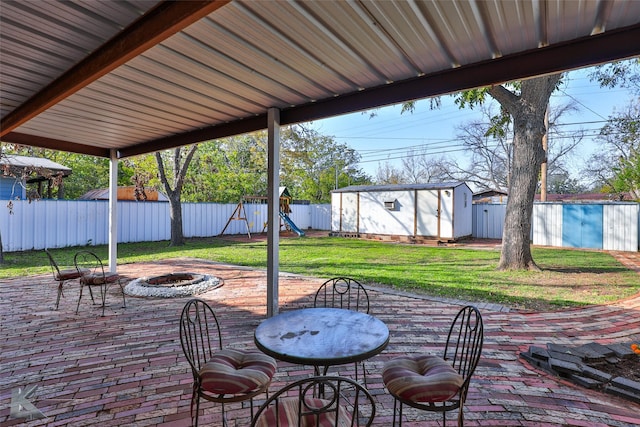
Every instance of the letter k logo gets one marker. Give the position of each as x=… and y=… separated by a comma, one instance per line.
x=20, y=405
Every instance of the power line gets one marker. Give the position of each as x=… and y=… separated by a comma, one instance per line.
x=579, y=102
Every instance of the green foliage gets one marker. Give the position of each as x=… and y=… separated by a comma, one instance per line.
x=627, y=175
x=499, y=125
x=625, y=73
x=313, y=164
x=471, y=98
x=225, y=170
x=618, y=165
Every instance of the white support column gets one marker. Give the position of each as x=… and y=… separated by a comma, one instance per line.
x=113, y=211
x=273, y=213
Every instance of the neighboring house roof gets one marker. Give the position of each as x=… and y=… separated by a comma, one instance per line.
x=124, y=193
x=489, y=193
x=40, y=167
x=490, y=196
x=36, y=162
x=398, y=187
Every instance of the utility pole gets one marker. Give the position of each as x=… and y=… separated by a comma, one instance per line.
x=543, y=167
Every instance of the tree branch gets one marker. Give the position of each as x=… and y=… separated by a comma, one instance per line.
x=507, y=99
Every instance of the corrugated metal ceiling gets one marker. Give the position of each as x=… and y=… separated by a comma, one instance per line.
x=232, y=65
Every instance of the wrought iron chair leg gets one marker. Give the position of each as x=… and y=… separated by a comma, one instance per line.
x=197, y=409
x=251, y=406
x=79, y=299
x=124, y=303
x=364, y=373
x=224, y=417
x=461, y=414
x=59, y=294
x=103, y=294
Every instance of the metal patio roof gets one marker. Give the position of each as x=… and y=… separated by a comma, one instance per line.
x=138, y=76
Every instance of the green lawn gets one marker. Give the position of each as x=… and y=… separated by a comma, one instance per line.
x=569, y=277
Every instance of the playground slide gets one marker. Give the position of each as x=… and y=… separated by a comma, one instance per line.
x=291, y=224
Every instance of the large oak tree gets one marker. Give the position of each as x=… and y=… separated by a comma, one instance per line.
x=527, y=109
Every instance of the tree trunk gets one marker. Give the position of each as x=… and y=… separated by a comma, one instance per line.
x=527, y=111
x=174, y=194
x=177, y=236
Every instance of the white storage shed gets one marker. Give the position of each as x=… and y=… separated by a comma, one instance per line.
x=409, y=212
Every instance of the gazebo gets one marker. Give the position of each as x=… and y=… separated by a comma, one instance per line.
x=117, y=79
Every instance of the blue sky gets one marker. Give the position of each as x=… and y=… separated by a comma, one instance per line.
x=390, y=134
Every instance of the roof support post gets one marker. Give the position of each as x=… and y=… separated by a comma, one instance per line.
x=273, y=209
x=113, y=210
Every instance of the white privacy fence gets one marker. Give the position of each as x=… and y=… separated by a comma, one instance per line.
x=608, y=226
x=61, y=223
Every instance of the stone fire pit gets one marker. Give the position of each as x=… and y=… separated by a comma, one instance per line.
x=172, y=285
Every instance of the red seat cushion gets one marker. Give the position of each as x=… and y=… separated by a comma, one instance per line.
x=232, y=371
x=421, y=378
x=285, y=414
x=67, y=274
x=98, y=279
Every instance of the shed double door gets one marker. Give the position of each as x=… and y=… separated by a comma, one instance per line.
x=582, y=226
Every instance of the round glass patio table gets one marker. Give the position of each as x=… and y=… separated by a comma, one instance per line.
x=322, y=336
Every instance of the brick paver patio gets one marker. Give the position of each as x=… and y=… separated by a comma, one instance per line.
x=127, y=369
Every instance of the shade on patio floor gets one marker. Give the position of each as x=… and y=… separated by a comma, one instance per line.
x=128, y=369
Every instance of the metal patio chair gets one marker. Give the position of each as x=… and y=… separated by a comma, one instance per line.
x=219, y=375
x=438, y=384
x=63, y=275
x=92, y=274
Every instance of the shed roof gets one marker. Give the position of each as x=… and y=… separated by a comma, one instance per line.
x=399, y=187
x=139, y=76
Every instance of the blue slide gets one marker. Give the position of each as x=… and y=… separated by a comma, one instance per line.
x=290, y=223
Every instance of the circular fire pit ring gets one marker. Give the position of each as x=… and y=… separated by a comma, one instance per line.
x=172, y=285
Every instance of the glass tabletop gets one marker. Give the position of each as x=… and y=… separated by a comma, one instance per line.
x=322, y=336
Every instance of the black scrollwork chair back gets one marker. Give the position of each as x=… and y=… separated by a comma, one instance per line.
x=434, y=383
x=318, y=401
x=221, y=375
